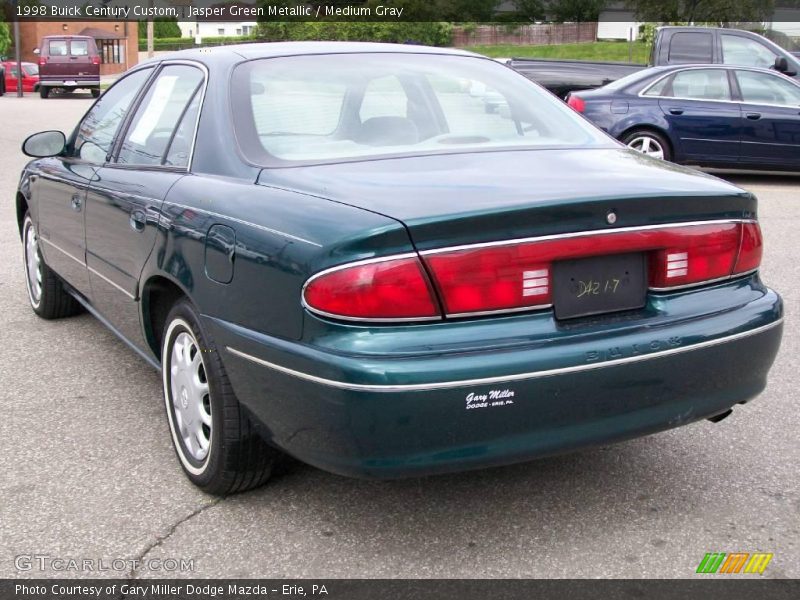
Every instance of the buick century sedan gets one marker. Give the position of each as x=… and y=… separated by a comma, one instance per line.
x=334, y=251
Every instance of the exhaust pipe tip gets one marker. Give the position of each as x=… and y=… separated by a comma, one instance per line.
x=720, y=416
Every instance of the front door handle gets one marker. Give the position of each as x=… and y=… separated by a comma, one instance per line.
x=76, y=202
x=754, y=116
x=138, y=220
x=676, y=111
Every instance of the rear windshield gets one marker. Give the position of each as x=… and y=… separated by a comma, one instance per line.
x=354, y=106
x=57, y=47
x=79, y=48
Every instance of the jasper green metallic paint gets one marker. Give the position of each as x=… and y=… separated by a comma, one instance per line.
x=240, y=240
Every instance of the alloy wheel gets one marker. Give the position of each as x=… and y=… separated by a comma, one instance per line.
x=647, y=145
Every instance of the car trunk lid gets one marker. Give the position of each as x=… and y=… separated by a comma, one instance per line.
x=459, y=199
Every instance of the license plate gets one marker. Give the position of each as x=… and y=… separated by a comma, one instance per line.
x=603, y=284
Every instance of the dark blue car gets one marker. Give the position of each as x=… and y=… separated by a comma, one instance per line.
x=715, y=116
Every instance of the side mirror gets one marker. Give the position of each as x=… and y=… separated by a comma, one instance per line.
x=36, y=51
x=44, y=144
x=781, y=64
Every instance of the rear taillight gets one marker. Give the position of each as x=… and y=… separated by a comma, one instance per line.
x=395, y=289
x=576, y=103
x=96, y=60
x=515, y=276
x=518, y=276
x=42, y=60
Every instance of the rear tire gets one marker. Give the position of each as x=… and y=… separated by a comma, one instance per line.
x=95, y=92
x=649, y=143
x=46, y=292
x=44, y=91
x=215, y=441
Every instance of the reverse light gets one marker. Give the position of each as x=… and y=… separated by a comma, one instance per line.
x=395, y=289
x=577, y=103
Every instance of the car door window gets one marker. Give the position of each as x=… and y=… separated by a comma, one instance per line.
x=741, y=51
x=700, y=84
x=154, y=126
x=690, y=47
x=98, y=129
x=765, y=88
x=180, y=149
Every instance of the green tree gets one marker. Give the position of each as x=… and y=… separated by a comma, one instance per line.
x=467, y=10
x=166, y=28
x=575, y=10
x=5, y=38
x=693, y=11
x=532, y=10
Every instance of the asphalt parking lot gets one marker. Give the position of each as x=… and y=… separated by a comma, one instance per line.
x=88, y=471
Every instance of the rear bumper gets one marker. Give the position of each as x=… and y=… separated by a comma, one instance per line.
x=75, y=83
x=450, y=406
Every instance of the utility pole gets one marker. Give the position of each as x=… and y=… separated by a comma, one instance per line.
x=150, y=33
x=16, y=50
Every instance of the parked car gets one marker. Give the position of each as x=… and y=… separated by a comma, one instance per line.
x=715, y=116
x=68, y=62
x=332, y=250
x=2, y=80
x=30, y=76
x=672, y=46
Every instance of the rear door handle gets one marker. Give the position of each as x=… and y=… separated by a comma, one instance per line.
x=754, y=116
x=138, y=220
x=76, y=203
x=676, y=111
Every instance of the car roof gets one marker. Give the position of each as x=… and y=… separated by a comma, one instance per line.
x=280, y=49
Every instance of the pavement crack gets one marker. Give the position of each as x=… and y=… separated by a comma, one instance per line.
x=160, y=539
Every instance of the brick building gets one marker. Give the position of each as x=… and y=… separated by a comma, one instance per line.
x=117, y=41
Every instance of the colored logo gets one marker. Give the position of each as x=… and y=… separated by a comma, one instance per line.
x=734, y=562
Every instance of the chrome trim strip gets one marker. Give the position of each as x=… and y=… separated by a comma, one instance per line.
x=575, y=234
x=503, y=378
x=686, y=286
x=108, y=281
x=241, y=222
x=60, y=249
x=500, y=311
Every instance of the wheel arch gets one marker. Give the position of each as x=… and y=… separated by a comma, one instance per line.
x=159, y=294
x=22, y=208
x=652, y=128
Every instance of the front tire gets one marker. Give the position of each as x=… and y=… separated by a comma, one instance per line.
x=648, y=143
x=46, y=292
x=216, y=444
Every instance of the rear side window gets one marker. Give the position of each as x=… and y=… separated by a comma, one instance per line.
x=690, y=47
x=155, y=126
x=700, y=84
x=79, y=48
x=57, y=47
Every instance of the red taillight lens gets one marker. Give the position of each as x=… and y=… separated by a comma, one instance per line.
x=385, y=290
x=750, y=250
x=576, y=103
x=517, y=276
x=96, y=60
x=42, y=60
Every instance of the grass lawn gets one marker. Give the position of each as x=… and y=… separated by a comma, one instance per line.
x=615, y=51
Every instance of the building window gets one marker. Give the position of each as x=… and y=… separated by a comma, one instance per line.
x=238, y=31
x=246, y=29
x=221, y=31
x=111, y=51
